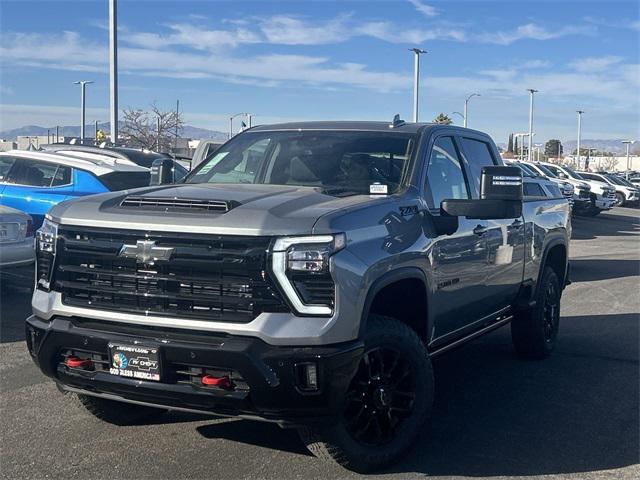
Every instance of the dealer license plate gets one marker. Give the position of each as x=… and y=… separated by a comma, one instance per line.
x=135, y=361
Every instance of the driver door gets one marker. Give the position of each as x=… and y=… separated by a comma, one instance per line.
x=459, y=260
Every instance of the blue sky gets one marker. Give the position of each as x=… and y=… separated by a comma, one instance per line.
x=303, y=60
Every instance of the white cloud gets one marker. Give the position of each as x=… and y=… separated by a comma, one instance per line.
x=194, y=36
x=287, y=30
x=426, y=10
x=390, y=32
x=531, y=31
x=595, y=64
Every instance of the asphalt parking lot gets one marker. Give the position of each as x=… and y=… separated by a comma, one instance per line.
x=574, y=415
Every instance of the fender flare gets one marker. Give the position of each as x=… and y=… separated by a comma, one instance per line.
x=386, y=279
x=551, y=244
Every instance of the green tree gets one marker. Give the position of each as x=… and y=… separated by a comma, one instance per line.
x=510, y=144
x=443, y=119
x=515, y=145
x=553, y=148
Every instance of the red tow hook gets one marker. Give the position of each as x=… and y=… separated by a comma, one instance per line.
x=211, y=381
x=75, y=362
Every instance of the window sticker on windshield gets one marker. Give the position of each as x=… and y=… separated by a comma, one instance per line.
x=212, y=163
x=377, y=189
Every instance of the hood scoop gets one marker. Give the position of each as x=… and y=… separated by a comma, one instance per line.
x=178, y=204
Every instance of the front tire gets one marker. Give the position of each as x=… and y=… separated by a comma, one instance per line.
x=534, y=331
x=119, y=413
x=387, y=403
x=620, y=199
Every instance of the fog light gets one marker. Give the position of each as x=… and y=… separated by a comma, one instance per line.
x=307, y=374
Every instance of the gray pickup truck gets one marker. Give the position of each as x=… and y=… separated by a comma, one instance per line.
x=306, y=274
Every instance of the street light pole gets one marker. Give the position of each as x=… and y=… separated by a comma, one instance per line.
x=531, y=93
x=83, y=85
x=113, y=70
x=628, y=144
x=231, y=122
x=579, y=112
x=416, y=80
x=466, y=103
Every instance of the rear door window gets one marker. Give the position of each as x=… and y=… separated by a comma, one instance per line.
x=40, y=174
x=5, y=165
x=477, y=154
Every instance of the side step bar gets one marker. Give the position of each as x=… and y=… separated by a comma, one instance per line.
x=471, y=336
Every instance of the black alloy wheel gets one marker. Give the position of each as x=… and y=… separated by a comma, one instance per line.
x=381, y=396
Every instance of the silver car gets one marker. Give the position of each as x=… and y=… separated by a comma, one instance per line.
x=16, y=238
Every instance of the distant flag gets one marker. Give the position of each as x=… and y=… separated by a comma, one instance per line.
x=243, y=126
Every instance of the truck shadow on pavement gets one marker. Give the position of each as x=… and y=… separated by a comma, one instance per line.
x=605, y=225
x=594, y=269
x=497, y=415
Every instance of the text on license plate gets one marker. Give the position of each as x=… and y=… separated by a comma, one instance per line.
x=135, y=361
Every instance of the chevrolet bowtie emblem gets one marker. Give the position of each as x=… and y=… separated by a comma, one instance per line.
x=145, y=251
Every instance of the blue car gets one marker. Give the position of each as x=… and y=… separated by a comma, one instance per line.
x=34, y=181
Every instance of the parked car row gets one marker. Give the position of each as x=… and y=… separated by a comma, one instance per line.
x=588, y=193
x=31, y=182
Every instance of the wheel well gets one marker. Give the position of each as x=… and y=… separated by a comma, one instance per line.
x=557, y=259
x=404, y=300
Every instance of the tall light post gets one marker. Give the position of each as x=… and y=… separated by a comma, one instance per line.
x=521, y=135
x=579, y=112
x=628, y=144
x=83, y=85
x=416, y=79
x=231, y=122
x=466, y=106
x=531, y=93
x=113, y=70
x=461, y=116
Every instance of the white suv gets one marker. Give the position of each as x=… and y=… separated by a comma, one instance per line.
x=602, y=195
x=625, y=194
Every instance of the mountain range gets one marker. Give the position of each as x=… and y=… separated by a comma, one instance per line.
x=187, y=131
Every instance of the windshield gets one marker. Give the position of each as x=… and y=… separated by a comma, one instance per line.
x=618, y=181
x=546, y=171
x=572, y=174
x=527, y=171
x=342, y=161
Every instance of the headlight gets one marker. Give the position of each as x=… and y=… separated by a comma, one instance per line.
x=302, y=267
x=46, y=238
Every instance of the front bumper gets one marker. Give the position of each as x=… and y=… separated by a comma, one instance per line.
x=269, y=374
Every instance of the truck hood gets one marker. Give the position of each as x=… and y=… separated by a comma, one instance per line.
x=252, y=209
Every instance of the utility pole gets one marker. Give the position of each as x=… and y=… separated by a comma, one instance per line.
x=57, y=135
x=249, y=117
x=416, y=80
x=95, y=133
x=531, y=93
x=83, y=85
x=579, y=112
x=113, y=70
x=628, y=144
x=231, y=122
x=466, y=103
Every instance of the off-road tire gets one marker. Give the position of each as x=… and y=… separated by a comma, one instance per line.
x=534, y=331
x=336, y=443
x=119, y=413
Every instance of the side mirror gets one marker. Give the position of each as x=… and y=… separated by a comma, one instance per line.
x=500, y=196
x=162, y=172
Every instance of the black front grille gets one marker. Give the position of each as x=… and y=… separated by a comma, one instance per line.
x=208, y=277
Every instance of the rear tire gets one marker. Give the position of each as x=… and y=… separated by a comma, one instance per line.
x=534, y=331
x=387, y=403
x=119, y=413
x=620, y=198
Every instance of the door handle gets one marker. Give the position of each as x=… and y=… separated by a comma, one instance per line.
x=480, y=230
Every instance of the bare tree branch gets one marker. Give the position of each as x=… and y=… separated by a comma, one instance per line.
x=154, y=129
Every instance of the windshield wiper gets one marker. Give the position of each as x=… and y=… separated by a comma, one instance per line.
x=340, y=191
